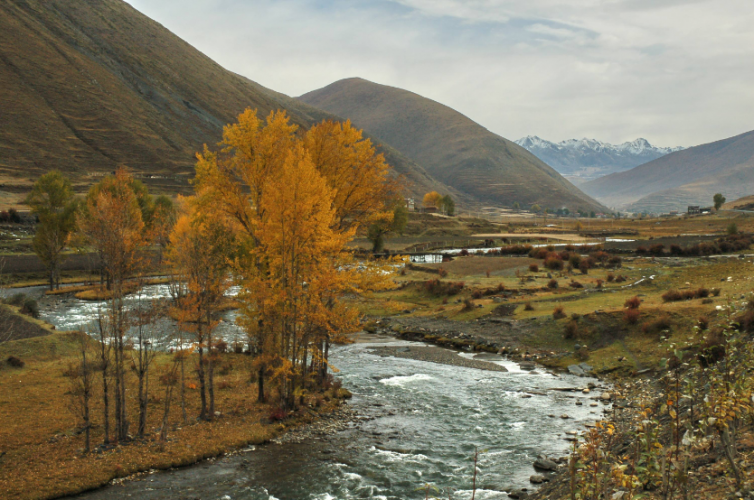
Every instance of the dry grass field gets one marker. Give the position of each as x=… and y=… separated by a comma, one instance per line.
x=41, y=438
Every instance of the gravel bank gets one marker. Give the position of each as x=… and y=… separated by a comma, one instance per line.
x=436, y=355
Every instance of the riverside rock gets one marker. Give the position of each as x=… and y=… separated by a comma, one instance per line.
x=581, y=370
x=545, y=464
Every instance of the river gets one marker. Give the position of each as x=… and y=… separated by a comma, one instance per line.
x=420, y=423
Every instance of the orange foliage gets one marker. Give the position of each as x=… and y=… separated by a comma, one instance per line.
x=432, y=199
x=294, y=204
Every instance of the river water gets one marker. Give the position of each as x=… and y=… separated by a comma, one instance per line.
x=421, y=423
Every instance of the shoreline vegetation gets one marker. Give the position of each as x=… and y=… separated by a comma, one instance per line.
x=40, y=442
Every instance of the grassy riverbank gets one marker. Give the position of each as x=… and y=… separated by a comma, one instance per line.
x=41, y=439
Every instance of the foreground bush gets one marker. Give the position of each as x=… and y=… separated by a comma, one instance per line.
x=554, y=263
x=571, y=330
x=15, y=362
x=632, y=303
x=679, y=295
x=439, y=288
x=558, y=313
x=631, y=316
x=659, y=325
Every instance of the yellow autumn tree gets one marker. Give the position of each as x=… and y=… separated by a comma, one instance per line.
x=292, y=218
x=199, y=256
x=358, y=176
x=433, y=199
x=112, y=224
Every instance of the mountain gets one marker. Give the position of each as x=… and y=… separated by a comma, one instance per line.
x=746, y=203
x=688, y=177
x=451, y=147
x=585, y=159
x=89, y=85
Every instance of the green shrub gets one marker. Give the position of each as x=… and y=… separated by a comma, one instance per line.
x=17, y=299
x=30, y=307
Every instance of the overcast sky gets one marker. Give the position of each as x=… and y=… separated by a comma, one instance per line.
x=676, y=72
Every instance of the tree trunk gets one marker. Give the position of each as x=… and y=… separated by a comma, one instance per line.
x=183, y=389
x=86, y=372
x=166, y=413
x=142, y=406
x=105, y=392
x=202, y=386
x=260, y=385
x=730, y=454
x=211, y=386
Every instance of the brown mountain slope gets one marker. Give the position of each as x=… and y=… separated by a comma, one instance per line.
x=450, y=146
x=92, y=84
x=691, y=176
x=733, y=183
x=743, y=203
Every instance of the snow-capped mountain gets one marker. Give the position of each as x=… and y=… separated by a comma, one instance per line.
x=585, y=159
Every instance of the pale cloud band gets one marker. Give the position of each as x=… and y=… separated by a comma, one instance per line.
x=675, y=72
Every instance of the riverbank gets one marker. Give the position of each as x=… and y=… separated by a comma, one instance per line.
x=41, y=437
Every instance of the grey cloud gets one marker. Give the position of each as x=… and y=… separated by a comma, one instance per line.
x=613, y=70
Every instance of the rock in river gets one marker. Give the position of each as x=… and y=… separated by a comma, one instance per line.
x=545, y=464
x=582, y=369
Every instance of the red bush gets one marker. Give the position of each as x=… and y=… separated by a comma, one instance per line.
x=533, y=268
x=657, y=250
x=554, y=263
x=633, y=303
x=676, y=295
x=558, y=313
x=439, y=288
x=278, y=415
x=571, y=330
x=631, y=316
x=552, y=284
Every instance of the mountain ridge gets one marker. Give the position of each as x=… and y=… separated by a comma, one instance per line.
x=449, y=145
x=586, y=159
x=690, y=176
x=90, y=85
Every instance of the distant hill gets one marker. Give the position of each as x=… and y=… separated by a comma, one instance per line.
x=585, y=159
x=451, y=147
x=745, y=203
x=88, y=85
x=688, y=177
